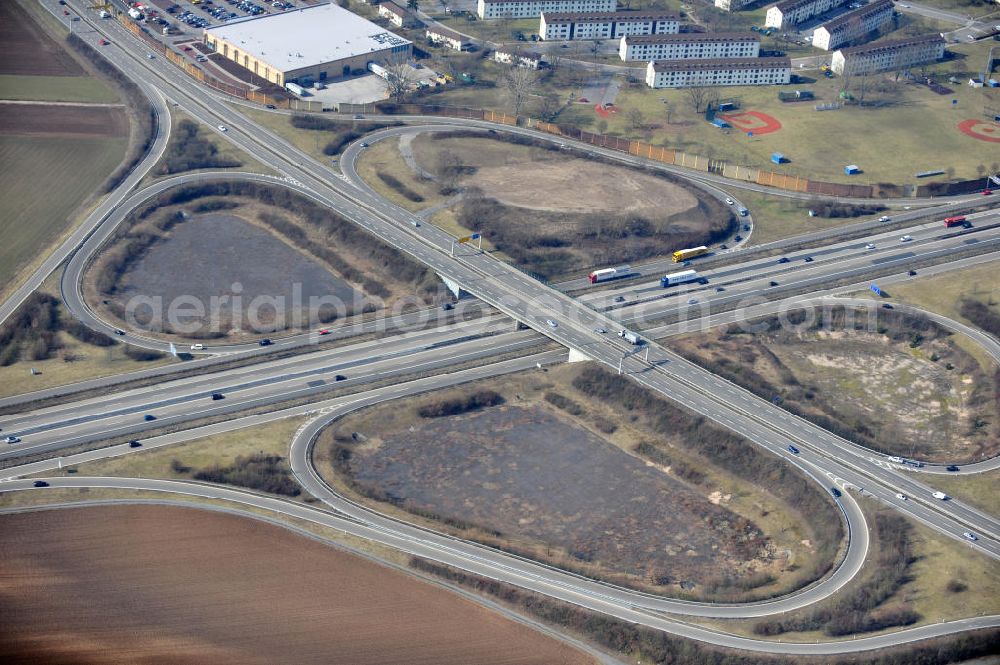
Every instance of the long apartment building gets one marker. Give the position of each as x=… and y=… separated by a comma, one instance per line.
x=732, y=5
x=726, y=71
x=888, y=56
x=853, y=25
x=494, y=9
x=792, y=12
x=690, y=45
x=605, y=25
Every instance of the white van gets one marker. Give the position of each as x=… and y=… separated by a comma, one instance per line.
x=940, y=495
x=197, y=347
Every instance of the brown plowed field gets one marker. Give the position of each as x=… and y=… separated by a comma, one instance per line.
x=145, y=584
x=59, y=120
x=26, y=49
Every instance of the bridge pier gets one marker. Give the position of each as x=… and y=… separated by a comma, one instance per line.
x=455, y=289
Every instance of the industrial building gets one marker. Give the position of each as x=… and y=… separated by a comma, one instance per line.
x=854, y=25
x=690, y=45
x=792, y=12
x=605, y=25
x=728, y=71
x=732, y=5
x=888, y=56
x=491, y=9
x=318, y=43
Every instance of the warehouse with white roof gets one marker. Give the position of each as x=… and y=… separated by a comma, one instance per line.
x=319, y=43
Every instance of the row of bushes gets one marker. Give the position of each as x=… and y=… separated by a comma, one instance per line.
x=829, y=209
x=724, y=449
x=135, y=99
x=32, y=330
x=343, y=132
x=457, y=405
x=258, y=471
x=662, y=648
x=980, y=314
x=855, y=610
x=400, y=187
x=189, y=150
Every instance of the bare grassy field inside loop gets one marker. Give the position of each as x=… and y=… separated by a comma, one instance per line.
x=555, y=475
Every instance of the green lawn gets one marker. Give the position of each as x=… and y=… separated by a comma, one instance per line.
x=57, y=89
x=45, y=179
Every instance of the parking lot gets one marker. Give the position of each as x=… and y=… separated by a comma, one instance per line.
x=179, y=17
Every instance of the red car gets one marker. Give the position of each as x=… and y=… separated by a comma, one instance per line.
x=188, y=48
x=104, y=42
x=987, y=192
x=65, y=13
x=324, y=331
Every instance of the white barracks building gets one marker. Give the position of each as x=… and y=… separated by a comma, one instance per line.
x=605, y=25
x=888, y=56
x=488, y=9
x=697, y=45
x=732, y=5
x=730, y=71
x=792, y=12
x=853, y=25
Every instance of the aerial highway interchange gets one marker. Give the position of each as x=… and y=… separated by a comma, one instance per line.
x=512, y=317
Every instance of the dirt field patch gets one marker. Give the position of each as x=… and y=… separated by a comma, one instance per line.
x=163, y=584
x=524, y=472
x=555, y=185
x=555, y=214
x=26, y=49
x=905, y=387
x=555, y=476
x=69, y=121
x=222, y=256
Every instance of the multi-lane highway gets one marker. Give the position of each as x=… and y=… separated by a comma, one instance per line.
x=830, y=460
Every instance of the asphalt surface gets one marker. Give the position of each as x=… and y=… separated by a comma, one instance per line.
x=129, y=413
x=831, y=460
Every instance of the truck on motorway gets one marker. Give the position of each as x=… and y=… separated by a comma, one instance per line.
x=685, y=254
x=629, y=336
x=605, y=274
x=957, y=220
x=679, y=278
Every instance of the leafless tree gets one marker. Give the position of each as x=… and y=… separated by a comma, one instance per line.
x=520, y=83
x=697, y=97
x=548, y=107
x=397, y=80
x=636, y=120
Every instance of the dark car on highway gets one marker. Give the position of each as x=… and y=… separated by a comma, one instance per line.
x=218, y=396
x=265, y=342
x=793, y=450
x=41, y=483
x=134, y=444
x=952, y=467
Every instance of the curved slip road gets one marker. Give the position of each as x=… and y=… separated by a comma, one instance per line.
x=417, y=547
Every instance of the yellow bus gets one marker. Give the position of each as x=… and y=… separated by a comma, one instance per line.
x=685, y=254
